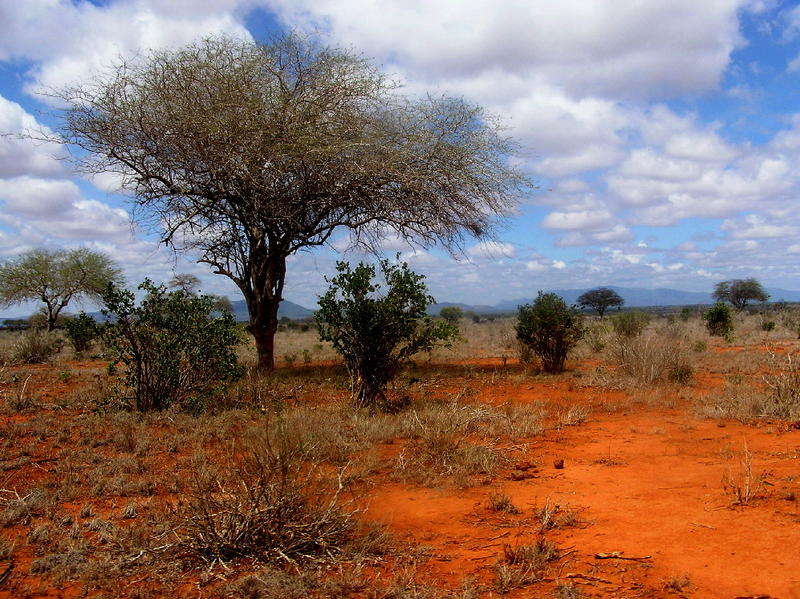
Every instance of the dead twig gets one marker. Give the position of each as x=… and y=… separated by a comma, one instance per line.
x=619, y=555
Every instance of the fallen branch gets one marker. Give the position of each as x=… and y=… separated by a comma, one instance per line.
x=618, y=555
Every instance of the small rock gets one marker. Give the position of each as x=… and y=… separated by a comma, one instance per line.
x=523, y=466
x=558, y=464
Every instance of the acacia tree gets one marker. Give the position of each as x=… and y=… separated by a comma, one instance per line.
x=600, y=300
x=243, y=154
x=740, y=291
x=55, y=278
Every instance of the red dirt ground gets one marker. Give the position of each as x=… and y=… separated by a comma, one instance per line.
x=646, y=481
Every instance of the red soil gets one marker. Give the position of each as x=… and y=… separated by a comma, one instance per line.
x=645, y=481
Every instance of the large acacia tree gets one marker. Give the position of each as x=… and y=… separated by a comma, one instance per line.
x=243, y=154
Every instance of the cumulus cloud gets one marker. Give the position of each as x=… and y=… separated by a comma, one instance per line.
x=491, y=250
x=69, y=41
x=634, y=48
x=56, y=209
x=21, y=156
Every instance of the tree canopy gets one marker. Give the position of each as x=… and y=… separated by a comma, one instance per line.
x=739, y=292
x=243, y=154
x=600, y=300
x=55, y=277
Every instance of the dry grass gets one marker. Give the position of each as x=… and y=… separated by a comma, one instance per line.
x=743, y=486
x=523, y=565
x=777, y=396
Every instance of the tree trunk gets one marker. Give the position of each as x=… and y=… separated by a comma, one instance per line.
x=264, y=295
x=263, y=330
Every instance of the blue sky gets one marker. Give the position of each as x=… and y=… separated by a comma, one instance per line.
x=664, y=135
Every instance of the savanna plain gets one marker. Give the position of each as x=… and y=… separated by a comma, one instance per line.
x=660, y=463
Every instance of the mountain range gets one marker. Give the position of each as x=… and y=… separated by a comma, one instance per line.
x=635, y=297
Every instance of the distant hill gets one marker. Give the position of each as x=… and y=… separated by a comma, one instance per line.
x=287, y=309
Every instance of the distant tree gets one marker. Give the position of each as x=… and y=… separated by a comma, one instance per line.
x=550, y=329
x=451, y=314
x=185, y=282
x=55, y=278
x=600, y=300
x=740, y=291
x=376, y=332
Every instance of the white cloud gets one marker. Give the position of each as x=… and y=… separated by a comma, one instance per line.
x=20, y=156
x=71, y=41
x=615, y=49
x=491, y=250
x=56, y=209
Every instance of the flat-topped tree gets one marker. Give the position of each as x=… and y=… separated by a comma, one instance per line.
x=56, y=277
x=243, y=154
x=739, y=292
x=600, y=300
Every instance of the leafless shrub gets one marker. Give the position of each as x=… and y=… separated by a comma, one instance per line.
x=743, y=487
x=36, y=346
x=650, y=358
x=572, y=416
x=567, y=590
x=19, y=509
x=271, y=506
x=779, y=398
x=678, y=583
x=6, y=549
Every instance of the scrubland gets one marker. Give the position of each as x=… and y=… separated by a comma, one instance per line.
x=659, y=464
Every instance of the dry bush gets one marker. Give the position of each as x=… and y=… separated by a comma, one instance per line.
x=35, y=346
x=551, y=515
x=743, y=487
x=269, y=504
x=779, y=398
x=651, y=358
x=500, y=502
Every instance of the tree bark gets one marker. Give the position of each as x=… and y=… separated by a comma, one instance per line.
x=263, y=300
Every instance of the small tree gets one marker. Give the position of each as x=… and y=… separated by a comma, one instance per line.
x=173, y=349
x=719, y=320
x=550, y=328
x=376, y=333
x=740, y=291
x=55, y=278
x=600, y=300
x=81, y=330
x=451, y=314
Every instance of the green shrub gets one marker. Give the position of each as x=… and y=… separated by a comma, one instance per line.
x=550, y=329
x=719, y=320
x=175, y=351
x=767, y=325
x=81, y=330
x=630, y=324
x=35, y=346
x=376, y=333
